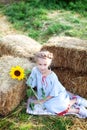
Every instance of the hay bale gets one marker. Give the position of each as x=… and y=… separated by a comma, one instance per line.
x=12, y=91
x=74, y=82
x=19, y=45
x=68, y=53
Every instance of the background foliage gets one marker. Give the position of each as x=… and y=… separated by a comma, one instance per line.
x=33, y=17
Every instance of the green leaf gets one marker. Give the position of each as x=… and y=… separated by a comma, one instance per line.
x=29, y=92
x=43, y=93
x=31, y=105
x=27, y=72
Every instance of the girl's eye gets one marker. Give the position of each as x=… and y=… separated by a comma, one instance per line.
x=45, y=64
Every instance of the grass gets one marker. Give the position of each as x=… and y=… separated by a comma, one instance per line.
x=42, y=21
x=72, y=24
x=18, y=120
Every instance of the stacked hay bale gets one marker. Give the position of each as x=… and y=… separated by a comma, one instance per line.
x=70, y=62
x=15, y=50
x=19, y=45
x=12, y=91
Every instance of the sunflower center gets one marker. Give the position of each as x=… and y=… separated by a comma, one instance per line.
x=17, y=73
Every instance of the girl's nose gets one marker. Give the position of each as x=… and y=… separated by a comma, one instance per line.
x=42, y=67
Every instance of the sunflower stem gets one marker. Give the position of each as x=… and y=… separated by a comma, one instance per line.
x=33, y=92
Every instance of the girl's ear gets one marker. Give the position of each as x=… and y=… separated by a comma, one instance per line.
x=50, y=64
x=49, y=67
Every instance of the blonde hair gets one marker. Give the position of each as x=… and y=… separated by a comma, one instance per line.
x=44, y=54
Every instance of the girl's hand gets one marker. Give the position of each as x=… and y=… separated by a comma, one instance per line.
x=36, y=101
x=42, y=100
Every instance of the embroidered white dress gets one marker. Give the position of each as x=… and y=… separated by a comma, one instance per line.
x=49, y=86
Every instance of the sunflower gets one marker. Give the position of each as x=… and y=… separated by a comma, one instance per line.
x=17, y=72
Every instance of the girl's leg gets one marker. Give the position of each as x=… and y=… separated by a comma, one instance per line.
x=80, y=110
x=73, y=110
x=81, y=101
x=73, y=101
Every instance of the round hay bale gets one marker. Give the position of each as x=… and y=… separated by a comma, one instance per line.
x=12, y=91
x=19, y=45
x=68, y=53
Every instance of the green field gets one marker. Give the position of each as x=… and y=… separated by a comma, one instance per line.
x=41, y=20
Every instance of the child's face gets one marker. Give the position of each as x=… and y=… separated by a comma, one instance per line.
x=43, y=64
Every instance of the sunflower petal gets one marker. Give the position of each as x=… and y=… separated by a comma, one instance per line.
x=17, y=72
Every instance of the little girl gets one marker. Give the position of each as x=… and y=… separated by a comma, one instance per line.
x=51, y=93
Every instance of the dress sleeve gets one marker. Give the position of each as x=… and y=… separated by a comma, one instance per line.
x=57, y=87
x=31, y=81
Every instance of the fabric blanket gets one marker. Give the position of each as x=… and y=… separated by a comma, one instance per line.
x=40, y=110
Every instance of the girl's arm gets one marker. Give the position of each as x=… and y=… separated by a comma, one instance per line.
x=42, y=100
